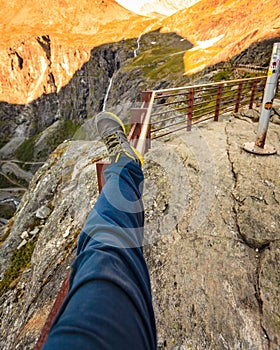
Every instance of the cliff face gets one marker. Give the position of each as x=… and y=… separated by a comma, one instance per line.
x=74, y=101
x=33, y=66
x=52, y=42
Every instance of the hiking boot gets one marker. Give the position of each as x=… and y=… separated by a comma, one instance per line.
x=112, y=132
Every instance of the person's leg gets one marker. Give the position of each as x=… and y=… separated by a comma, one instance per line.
x=109, y=304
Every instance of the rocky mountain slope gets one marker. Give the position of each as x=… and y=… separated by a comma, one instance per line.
x=220, y=29
x=213, y=262
x=51, y=42
x=30, y=132
x=61, y=17
x=114, y=75
x=214, y=272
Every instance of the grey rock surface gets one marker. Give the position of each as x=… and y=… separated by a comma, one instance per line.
x=212, y=238
x=217, y=286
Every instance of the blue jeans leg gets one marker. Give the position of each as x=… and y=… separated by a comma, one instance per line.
x=109, y=304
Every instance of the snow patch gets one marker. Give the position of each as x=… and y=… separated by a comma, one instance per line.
x=201, y=45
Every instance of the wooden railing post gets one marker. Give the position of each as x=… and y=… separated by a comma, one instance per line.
x=101, y=166
x=254, y=88
x=190, y=109
x=238, y=97
x=218, y=102
x=146, y=97
x=148, y=141
x=52, y=315
x=137, y=119
x=259, y=147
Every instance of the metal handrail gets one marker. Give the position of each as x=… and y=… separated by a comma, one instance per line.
x=246, y=91
x=196, y=106
x=141, y=144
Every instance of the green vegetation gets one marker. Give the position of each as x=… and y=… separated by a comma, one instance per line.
x=26, y=152
x=19, y=262
x=161, y=56
x=173, y=66
x=8, y=231
x=230, y=73
x=66, y=129
x=3, y=143
x=4, y=182
x=223, y=74
x=26, y=149
x=160, y=62
x=6, y=211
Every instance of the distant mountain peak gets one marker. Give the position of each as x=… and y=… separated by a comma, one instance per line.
x=165, y=7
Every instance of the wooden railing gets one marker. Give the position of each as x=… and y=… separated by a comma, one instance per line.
x=179, y=108
x=163, y=112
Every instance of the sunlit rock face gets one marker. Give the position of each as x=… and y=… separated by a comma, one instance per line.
x=37, y=65
x=220, y=29
x=44, y=44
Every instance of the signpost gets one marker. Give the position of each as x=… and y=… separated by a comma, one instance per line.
x=259, y=146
